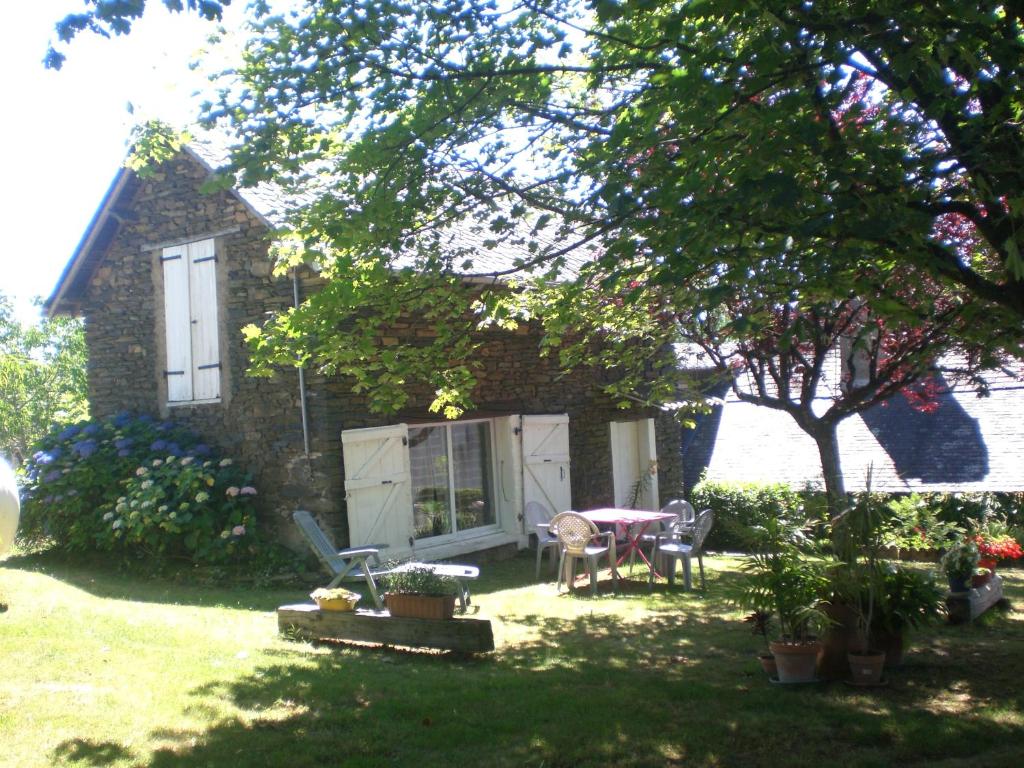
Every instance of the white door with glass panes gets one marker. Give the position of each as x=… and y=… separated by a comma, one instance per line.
x=377, y=485
x=451, y=466
x=546, y=462
x=443, y=483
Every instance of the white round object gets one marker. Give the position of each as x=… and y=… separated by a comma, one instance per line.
x=10, y=507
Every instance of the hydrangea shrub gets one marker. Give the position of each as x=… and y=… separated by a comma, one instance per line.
x=138, y=486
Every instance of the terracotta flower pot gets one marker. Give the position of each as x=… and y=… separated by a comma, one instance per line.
x=866, y=667
x=412, y=606
x=797, y=662
x=980, y=580
x=990, y=564
x=768, y=664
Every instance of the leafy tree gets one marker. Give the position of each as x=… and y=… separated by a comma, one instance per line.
x=740, y=167
x=107, y=17
x=42, y=378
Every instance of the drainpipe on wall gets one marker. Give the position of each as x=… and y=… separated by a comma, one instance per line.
x=302, y=375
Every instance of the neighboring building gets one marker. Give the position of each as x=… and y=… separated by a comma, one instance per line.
x=966, y=444
x=166, y=276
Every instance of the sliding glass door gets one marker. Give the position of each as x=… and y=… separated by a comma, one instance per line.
x=452, y=470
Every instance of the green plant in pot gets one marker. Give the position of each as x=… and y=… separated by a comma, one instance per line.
x=959, y=564
x=908, y=599
x=784, y=578
x=858, y=580
x=419, y=593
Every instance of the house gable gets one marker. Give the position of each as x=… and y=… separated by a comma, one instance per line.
x=116, y=281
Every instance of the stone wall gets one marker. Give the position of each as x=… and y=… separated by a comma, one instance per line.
x=258, y=421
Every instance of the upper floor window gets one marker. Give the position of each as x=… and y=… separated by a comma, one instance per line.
x=190, y=313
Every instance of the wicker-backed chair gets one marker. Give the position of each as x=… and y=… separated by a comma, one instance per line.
x=670, y=547
x=538, y=518
x=580, y=539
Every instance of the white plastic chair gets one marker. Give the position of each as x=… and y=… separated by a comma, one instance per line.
x=685, y=516
x=669, y=548
x=538, y=518
x=580, y=540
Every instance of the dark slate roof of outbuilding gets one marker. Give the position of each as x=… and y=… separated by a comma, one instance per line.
x=967, y=444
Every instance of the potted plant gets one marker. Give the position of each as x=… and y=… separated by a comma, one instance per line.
x=908, y=599
x=959, y=564
x=857, y=579
x=995, y=543
x=336, y=599
x=785, y=579
x=760, y=624
x=419, y=593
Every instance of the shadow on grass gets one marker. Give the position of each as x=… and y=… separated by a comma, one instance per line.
x=678, y=688
x=83, y=752
x=182, y=586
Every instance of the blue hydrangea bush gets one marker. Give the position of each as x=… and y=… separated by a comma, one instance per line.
x=139, y=487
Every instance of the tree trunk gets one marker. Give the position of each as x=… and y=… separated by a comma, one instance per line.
x=828, y=449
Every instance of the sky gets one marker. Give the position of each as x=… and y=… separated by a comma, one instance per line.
x=64, y=134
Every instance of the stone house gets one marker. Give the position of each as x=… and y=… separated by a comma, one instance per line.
x=165, y=277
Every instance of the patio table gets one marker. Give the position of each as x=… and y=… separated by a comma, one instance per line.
x=635, y=523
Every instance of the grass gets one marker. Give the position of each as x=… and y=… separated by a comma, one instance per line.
x=101, y=669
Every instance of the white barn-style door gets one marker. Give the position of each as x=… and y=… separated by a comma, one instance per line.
x=378, y=492
x=546, y=462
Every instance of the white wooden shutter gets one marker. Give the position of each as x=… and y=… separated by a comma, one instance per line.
x=203, y=305
x=546, y=462
x=633, y=451
x=509, y=482
x=378, y=488
x=177, y=323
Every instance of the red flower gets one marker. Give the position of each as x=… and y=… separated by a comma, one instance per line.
x=998, y=547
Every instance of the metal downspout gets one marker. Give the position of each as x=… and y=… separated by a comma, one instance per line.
x=302, y=374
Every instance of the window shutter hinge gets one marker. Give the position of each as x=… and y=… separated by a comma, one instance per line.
x=174, y=373
x=205, y=258
x=207, y=367
x=170, y=258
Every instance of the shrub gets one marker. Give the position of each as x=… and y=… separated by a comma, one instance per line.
x=74, y=476
x=969, y=510
x=740, y=508
x=132, y=485
x=183, y=508
x=914, y=524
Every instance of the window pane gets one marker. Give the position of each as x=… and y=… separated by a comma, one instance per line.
x=428, y=460
x=471, y=460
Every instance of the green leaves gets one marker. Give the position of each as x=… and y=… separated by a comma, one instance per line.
x=42, y=378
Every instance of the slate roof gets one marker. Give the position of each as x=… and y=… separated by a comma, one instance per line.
x=270, y=204
x=968, y=444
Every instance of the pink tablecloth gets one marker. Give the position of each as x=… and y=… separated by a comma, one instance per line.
x=610, y=515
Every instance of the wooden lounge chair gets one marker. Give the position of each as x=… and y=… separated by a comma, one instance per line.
x=364, y=562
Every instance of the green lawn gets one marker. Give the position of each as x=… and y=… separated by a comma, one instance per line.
x=100, y=669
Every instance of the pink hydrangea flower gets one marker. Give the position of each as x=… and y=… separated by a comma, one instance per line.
x=232, y=491
x=238, y=530
x=248, y=490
